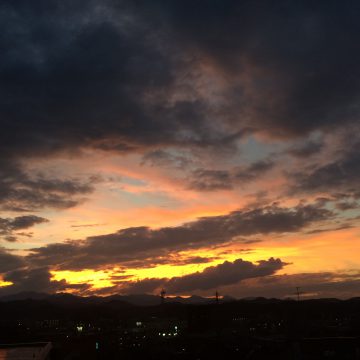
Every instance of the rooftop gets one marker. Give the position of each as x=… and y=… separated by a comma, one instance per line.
x=31, y=351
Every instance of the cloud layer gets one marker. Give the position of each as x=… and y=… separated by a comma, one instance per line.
x=216, y=105
x=145, y=245
x=8, y=226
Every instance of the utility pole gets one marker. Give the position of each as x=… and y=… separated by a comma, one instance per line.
x=298, y=293
x=217, y=299
x=162, y=295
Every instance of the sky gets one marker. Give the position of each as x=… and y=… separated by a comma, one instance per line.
x=195, y=146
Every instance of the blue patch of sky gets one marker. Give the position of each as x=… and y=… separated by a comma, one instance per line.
x=253, y=150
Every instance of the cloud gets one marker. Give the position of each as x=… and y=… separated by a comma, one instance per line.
x=210, y=278
x=144, y=245
x=118, y=77
x=313, y=284
x=306, y=149
x=9, y=262
x=340, y=175
x=37, y=280
x=26, y=221
x=166, y=80
x=223, y=274
x=161, y=76
x=20, y=191
x=8, y=226
x=144, y=286
x=166, y=159
x=347, y=205
x=274, y=86
x=212, y=180
x=173, y=259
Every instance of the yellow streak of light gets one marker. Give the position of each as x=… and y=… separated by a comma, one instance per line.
x=5, y=283
x=103, y=278
x=166, y=271
x=97, y=279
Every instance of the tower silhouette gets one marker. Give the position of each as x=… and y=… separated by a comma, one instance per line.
x=162, y=295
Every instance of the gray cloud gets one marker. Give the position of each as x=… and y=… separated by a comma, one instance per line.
x=20, y=191
x=212, y=180
x=166, y=159
x=25, y=278
x=224, y=274
x=173, y=259
x=147, y=77
x=36, y=279
x=342, y=174
x=144, y=286
x=306, y=149
x=318, y=285
x=347, y=205
x=142, y=243
x=124, y=78
x=210, y=278
x=8, y=226
x=105, y=75
x=293, y=90
x=9, y=262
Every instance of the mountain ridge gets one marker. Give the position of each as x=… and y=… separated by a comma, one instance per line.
x=134, y=299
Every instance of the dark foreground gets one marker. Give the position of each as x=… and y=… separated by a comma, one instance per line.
x=246, y=329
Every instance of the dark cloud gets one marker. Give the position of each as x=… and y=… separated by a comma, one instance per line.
x=26, y=221
x=342, y=174
x=210, y=278
x=40, y=279
x=344, y=226
x=212, y=180
x=86, y=84
x=122, y=76
x=167, y=159
x=142, y=243
x=173, y=259
x=144, y=286
x=36, y=279
x=10, y=238
x=253, y=171
x=223, y=274
x=21, y=191
x=8, y=226
x=312, y=285
x=292, y=67
x=347, y=205
x=128, y=76
x=9, y=262
x=306, y=149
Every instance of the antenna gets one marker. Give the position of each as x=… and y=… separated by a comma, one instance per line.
x=217, y=297
x=162, y=295
x=298, y=293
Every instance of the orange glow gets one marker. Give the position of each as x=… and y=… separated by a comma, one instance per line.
x=141, y=195
x=97, y=279
x=322, y=250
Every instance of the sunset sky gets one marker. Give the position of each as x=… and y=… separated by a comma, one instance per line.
x=196, y=146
